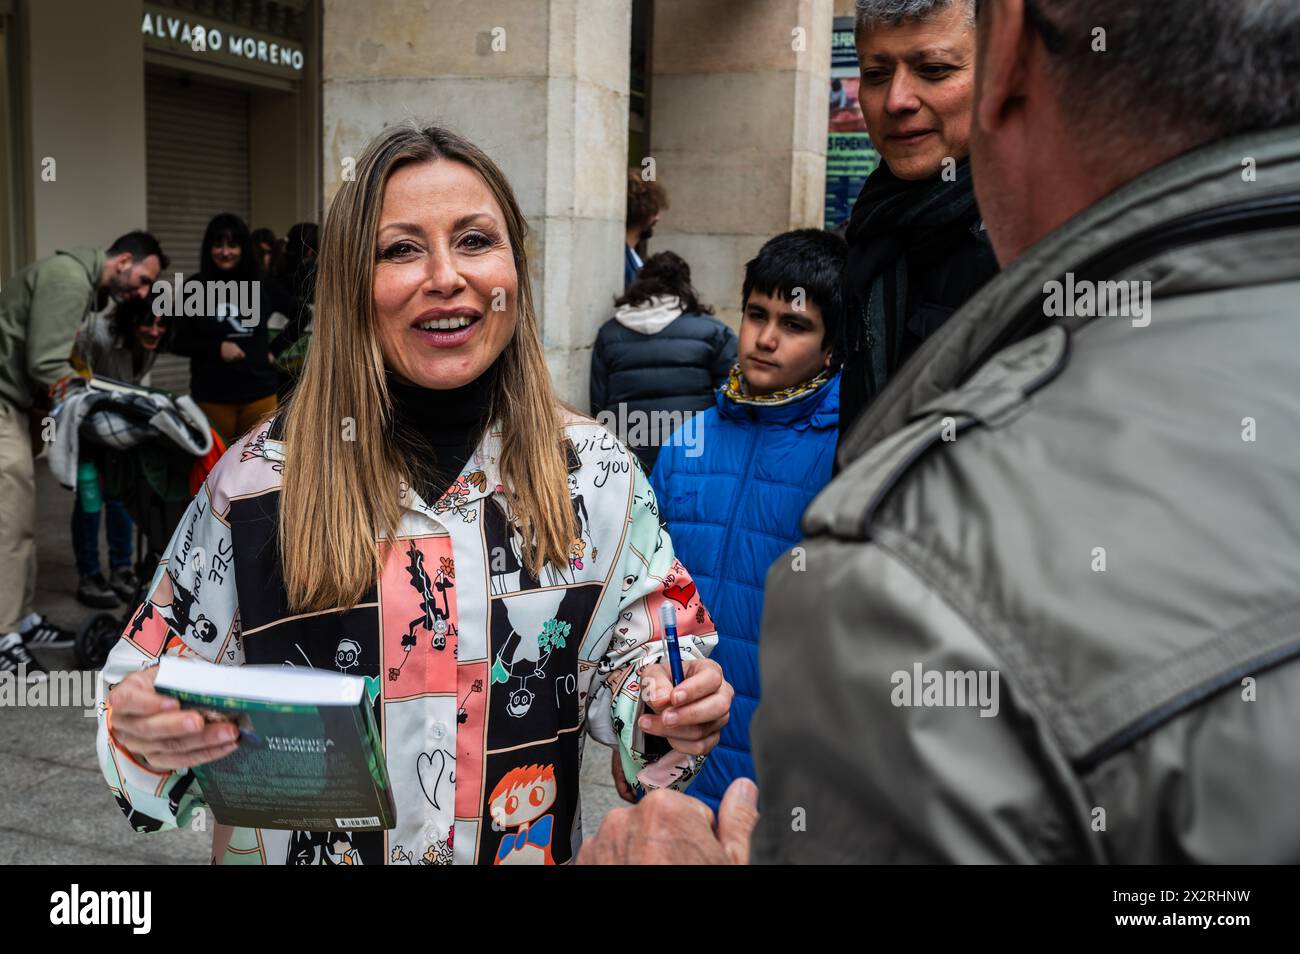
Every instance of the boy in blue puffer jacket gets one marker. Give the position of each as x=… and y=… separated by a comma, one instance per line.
x=733, y=496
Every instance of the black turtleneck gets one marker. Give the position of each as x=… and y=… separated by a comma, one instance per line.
x=438, y=430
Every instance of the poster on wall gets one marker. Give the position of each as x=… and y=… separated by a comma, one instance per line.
x=850, y=157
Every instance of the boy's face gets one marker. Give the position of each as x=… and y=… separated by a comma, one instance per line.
x=780, y=345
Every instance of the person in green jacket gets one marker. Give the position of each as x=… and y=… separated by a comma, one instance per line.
x=41, y=308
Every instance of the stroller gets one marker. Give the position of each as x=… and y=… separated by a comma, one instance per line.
x=153, y=451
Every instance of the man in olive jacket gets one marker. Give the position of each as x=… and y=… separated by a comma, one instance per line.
x=1048, y=612
x=41, y=308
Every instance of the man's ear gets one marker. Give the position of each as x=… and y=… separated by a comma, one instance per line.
x=1003, y=48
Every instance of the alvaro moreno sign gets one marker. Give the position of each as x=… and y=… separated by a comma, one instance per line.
x=224, y=43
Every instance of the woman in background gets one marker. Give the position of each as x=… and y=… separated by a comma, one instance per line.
x=232, y=374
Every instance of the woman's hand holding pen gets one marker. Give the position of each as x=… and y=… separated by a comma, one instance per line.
x=691, y=714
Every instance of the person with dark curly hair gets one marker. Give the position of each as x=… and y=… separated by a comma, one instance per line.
x=645, y=200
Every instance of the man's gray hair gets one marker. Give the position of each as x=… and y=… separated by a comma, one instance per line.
x=1179, y=71
x=874, y=13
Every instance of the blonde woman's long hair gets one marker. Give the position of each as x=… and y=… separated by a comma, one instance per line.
x=340, y=495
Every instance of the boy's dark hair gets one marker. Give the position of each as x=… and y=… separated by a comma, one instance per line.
x=664, y=273
x=811, y=259
x=139, y=245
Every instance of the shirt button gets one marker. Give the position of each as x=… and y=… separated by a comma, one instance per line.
x=439, y=730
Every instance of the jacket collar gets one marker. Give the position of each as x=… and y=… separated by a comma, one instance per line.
x=479, y=478
x=819, y=409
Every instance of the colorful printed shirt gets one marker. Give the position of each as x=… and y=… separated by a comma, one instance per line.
x=483, y=677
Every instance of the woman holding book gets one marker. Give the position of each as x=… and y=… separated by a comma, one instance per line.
x=425, y=514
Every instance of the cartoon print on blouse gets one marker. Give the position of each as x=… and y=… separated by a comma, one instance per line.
x=135, y=818
x=583, y=523
x=623, y=637
x=314, y=847
x=178, y=791
x=506, y=568
x=456, y=498
x=142, y=616
x=680, y=593
x=651, y=505
x=433, y=618
x=522, y=800
x=347, y=654
x=181, y=604
x=442, y=851
x=436, y=771
x=535, y=634
x=257, y=448
x=462, y=714
x=144, y=823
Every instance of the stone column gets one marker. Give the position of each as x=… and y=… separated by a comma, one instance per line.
x=738, y=109
x=86, y=164
x=542, y=87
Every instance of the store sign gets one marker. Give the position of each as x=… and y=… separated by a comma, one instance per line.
x=226, y=44
x=850, y=156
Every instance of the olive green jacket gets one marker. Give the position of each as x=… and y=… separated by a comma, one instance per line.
x=41, y=308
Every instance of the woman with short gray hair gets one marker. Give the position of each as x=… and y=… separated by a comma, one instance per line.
x=917, y=249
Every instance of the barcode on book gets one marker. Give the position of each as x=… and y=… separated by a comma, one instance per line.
x=364, y=822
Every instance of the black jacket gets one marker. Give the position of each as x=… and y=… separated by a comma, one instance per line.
x=252, y=378
x=674, y=368
x=948, y=261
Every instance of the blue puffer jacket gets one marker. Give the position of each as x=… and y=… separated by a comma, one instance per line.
x=731, y=511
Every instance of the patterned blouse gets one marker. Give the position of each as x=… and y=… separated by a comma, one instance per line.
x=483, y=677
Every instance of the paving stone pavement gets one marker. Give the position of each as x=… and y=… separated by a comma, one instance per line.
x=54, y=805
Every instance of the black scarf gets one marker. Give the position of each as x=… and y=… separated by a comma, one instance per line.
x=437, y=431
x=892, y=219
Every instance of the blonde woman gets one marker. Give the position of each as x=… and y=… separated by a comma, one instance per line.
x=426, y=514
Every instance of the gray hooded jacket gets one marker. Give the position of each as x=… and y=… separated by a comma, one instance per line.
x=1082, y=543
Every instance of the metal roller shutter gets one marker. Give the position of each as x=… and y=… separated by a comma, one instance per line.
x=197, y=166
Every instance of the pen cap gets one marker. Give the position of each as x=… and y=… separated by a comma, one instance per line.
x=668, y=616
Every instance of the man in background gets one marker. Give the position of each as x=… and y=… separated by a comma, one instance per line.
x=41, y=308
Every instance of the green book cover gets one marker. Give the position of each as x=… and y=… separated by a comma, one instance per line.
x=309, y=756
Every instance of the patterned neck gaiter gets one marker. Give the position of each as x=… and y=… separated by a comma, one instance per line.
x=737, y=390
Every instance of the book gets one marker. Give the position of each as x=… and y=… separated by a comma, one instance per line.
x=309, y=757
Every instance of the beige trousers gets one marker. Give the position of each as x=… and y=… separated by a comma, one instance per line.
x=17, y=518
